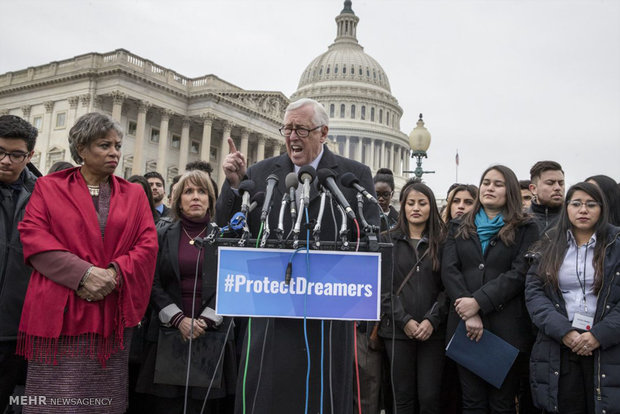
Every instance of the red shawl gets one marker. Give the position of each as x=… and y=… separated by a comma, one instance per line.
x=61, y=216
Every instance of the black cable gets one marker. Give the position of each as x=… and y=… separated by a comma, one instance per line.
x=217, y=365
x=260, y=366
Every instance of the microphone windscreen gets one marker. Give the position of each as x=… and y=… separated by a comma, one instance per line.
x=324, y=174
x=306, y=172
x=259, y=198
x=273, y=177
x=247, y=185
x=291, y=180
x=348, y=179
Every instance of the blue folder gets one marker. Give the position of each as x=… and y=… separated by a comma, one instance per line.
x=490, y=359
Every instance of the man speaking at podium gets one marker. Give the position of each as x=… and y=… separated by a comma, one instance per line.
x=281, y=385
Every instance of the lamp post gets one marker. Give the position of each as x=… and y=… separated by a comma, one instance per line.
x=419, y=141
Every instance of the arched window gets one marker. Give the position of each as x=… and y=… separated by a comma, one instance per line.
x=331, y=110
x=387, y=118
x=336, y=69
x=380, y=116
x=344, y=70
x=342, y=111
x=361, y=71
x=327, y=70
x=372, y=114
x=352, y=111
x=363, y=114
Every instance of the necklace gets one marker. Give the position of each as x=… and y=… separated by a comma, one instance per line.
x=192, y=239
x=93, y=190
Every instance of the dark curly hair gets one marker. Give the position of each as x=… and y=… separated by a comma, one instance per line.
x=14, y=127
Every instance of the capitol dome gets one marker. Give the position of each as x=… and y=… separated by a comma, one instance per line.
x=355, y=91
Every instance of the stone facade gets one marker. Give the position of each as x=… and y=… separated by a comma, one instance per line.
x=168, y=119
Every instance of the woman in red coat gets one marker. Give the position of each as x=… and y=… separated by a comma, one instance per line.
x=91, y=240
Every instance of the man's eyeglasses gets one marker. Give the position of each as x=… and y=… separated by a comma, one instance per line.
x=578, y=203
x=13, y=156
x=384, y=194
x=301, y=132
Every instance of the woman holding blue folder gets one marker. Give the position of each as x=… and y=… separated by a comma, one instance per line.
x=483, y=270
x=573, y=295
x=415, y=308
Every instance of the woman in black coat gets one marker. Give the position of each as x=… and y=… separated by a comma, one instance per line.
x=483, y=270
x=415, y=308
x=573, y=296
x=183, y=302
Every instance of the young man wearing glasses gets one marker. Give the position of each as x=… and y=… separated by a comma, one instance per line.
x=17, y=140
x=280, y=386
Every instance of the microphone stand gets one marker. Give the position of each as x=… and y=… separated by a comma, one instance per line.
x=343, y=228
x=297, y=228
x=279, y=231
x=316, y=232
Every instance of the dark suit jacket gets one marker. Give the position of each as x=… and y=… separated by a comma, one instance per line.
x=496, y=280
x=282, y=382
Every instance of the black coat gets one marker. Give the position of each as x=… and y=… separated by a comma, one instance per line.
x=14, y=274
x=548, y=311
x=282, y=382
x=545, y=217
x=422, y=297
x=166, y=291
x=496, y=280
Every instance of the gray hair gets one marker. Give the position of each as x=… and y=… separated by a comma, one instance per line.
x=320, y=114
x=87, y=129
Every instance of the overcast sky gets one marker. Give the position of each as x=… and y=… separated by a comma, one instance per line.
x=503, y=81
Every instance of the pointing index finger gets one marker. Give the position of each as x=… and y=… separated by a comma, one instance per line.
x=231, y=146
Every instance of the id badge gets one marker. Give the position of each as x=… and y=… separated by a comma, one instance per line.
x=582, y=321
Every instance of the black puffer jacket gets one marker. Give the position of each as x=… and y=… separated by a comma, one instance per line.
x=422, y=297
x=546, y=306
x=14, y=274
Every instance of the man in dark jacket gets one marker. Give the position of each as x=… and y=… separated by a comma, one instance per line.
x=547, y=187
x=276, y=380
x=158, y=188
x=17, y=140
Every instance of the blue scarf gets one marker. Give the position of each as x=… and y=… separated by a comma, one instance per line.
x=486, y=228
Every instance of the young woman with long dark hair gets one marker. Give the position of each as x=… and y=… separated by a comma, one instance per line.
x=572, y=293
x=483, y=270
x=415, y=308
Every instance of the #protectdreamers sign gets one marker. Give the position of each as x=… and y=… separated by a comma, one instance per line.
x=339, y=285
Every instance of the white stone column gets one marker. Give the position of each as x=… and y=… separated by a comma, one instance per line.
x=360, y=144
x=245, y=139
x=260, y=150
x=184, y=150
x=347, y=146
x=395, y=163
x=117, y=105
x=373, y=157
x=85, y=100
x=275, y=151
x=162, y=148
x=222, y=153
x=73, y=108
x=26, y=112
x=47, y=131
x=382, y=156
x=205, y=149
x=138, y=146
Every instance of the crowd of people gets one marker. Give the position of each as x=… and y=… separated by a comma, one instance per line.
x=105, y=296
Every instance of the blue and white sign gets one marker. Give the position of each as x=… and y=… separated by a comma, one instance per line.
x=323, y=285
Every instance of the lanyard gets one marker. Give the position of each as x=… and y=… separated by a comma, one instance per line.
x=585, y=263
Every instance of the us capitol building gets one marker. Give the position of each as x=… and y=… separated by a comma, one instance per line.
x=170, y=120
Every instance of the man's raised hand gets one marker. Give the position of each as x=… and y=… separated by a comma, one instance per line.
x=234, y=165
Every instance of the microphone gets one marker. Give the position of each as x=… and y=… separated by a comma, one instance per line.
x=292, y=183
x=350, y=181
x=326, y=178
x=237, y=222
x=272, y=180
x=245, y=189
x=306, y=177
